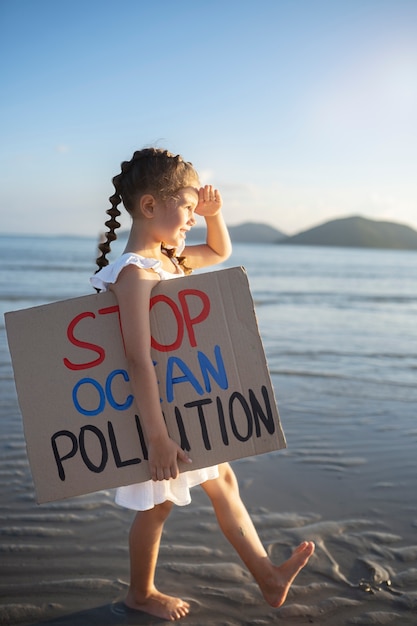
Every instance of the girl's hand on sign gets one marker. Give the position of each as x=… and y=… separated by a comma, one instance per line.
x=209, y=201
x=163, y=458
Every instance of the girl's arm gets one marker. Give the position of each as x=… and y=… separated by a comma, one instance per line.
x=133, y=291
x=218, y=246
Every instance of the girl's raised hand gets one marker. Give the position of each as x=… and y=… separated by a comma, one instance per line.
x=209, y=201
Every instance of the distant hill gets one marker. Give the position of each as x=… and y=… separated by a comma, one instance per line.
x=358, y=232
x=249, y=232
x=355, y=232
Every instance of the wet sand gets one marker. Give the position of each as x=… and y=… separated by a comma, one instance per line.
x=346, y=481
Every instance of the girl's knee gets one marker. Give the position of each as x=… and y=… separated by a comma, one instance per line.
x=226, y=483
x=227, y=475
x=163, y=510
x=158, y=513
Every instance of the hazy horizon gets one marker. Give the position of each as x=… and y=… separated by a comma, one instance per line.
x=124, y=229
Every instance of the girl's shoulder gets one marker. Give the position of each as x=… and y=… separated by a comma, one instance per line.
x=109, y=274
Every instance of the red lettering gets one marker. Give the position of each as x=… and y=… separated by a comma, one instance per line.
x=110, y=309
x=180, y=324
x=114, y=309
x=83, y=344
x=191, y=321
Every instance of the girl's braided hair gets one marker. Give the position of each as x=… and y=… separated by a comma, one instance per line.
x=150, y=170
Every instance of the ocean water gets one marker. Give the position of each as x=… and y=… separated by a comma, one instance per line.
x=338, y=325
x=339, y=328
x=312, y=302
x=329, y=317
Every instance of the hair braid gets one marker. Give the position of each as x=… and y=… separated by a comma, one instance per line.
x=181, y=260
x=150, y=170
x=112, y=224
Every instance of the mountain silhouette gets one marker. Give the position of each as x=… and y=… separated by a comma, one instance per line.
x=358, y=232
x=354, y=232
x=248, y=232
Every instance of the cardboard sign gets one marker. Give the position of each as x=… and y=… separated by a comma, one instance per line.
x=82, y=427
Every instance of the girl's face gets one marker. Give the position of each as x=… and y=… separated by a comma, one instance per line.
x=176, y=216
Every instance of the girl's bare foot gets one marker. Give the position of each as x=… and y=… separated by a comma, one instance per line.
x=276, y=584
x=160, y=605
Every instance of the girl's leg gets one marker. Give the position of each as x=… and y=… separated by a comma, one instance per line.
x=144, y=540
x=274, y=581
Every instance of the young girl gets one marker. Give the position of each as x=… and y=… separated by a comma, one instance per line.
x=162, y=194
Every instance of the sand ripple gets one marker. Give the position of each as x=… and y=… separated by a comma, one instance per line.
x=69, y=585
x=360, y=574
x=18, y=613
x=222, y=572
x=376, y=617
x=66, y=563
x=246, y=596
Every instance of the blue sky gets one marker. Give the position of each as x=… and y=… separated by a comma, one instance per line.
x=300, y=111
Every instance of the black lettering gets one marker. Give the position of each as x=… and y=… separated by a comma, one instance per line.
x=141, y=438
x=222, y=422
x=115, y=450
x=258, y=414
x=199, y=404
x=71, y=453
x=104, y=452
x=238, y=396
x=184, y=443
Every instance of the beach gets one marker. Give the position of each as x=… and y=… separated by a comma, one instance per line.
x=341, y=342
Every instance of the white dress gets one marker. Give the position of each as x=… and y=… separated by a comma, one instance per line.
x=144, y=496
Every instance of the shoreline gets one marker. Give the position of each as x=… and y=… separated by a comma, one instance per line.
x=67, y=562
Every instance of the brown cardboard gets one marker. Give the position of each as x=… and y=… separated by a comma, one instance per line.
x=81, y=423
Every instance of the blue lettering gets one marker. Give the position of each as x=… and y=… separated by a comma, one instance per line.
x=129, y=400
x=103, y=394
x=102, y=397
x=219, y=375
x=188, y=377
